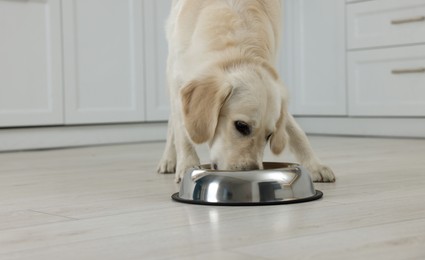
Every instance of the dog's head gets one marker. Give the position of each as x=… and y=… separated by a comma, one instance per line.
x=237, y=111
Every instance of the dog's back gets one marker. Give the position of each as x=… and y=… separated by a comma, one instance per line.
x=202, y=30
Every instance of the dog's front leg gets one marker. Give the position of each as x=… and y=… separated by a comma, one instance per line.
x=186, y=154
x=179, y=154
x=301, y=147
x=169, y=157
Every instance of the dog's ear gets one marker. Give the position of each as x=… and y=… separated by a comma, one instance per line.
x=279, y=138
x=202, y=101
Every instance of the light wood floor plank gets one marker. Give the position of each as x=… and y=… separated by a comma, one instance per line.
x=27, y=218
x=400, y=240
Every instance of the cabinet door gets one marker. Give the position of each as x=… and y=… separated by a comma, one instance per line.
x=387, y=82
x=103, y=56
x=314, y=56
x=156, y=50
x=30, y=63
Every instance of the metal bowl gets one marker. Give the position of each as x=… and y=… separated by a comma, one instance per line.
x=277, y=183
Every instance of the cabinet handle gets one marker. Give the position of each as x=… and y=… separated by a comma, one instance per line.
x=405, y=71
x=408, y=20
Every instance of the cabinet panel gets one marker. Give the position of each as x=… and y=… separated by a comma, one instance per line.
x=385, y=23
x=156, y=50
x=387, y=82
x=30, y=63
x=103, y=53
x=315, y=52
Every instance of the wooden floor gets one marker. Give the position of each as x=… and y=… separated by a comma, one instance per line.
x=108, y=203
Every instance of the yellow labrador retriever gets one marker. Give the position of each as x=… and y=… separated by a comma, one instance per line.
x=224, y=89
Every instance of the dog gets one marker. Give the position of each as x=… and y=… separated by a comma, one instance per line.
x=225, y=91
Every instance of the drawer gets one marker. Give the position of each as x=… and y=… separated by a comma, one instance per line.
x=385, y=23
x=387, y=82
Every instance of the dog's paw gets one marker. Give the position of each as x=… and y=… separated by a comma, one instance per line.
x=322, y=173
x=181, y=171
x=167, y=165
x=182, y=168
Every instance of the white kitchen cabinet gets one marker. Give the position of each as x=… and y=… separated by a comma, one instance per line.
x=156, y=50
x=103, y=61
x=386, y=58
x=30, y=63
x=314, y=54
x=383, y=41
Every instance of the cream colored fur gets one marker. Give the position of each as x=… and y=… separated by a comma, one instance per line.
x=220, y=70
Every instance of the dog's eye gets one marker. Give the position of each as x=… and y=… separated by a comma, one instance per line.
x=243, y=128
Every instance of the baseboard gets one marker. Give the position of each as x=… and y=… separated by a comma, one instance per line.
x=71, y=136
x=386, y=127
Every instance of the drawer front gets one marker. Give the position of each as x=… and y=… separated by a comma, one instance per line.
x=385, y=23
x=387, y=82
